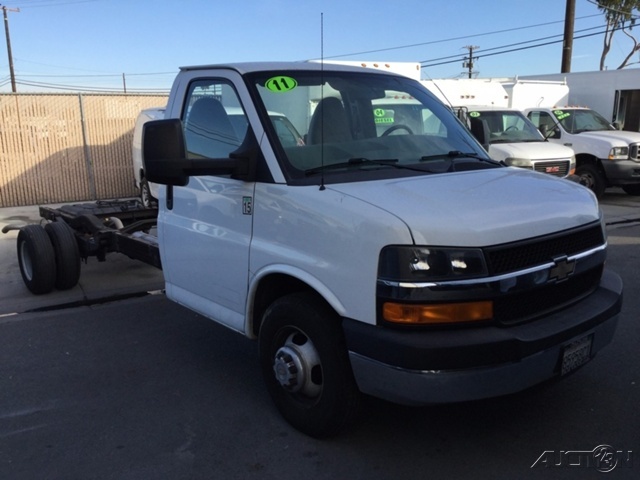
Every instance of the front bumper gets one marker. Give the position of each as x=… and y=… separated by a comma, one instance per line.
x=429, y=367
x=621, y=172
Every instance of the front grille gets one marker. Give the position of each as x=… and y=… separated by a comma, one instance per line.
x=558, y=168
x=526, y=306
x=513, y=308
x=633, y=152
x=516, y=256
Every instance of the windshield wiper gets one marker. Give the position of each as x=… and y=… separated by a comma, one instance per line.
x=358, y=161
x=459, y=154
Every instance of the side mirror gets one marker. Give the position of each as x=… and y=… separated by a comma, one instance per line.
x=164, y=153
x=164, y=156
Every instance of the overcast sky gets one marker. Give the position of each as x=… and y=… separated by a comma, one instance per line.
x=92, y=43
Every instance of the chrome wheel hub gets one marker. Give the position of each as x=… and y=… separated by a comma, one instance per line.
x=297, y=366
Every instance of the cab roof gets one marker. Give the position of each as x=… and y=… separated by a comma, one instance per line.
x=252, y=67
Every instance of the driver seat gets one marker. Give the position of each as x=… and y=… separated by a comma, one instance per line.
x=329, y=123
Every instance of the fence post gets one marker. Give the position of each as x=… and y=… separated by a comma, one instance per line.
x=87, y=151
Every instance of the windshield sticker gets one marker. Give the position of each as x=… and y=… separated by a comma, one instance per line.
x=383, y=116
x=560, y=115
x=280, y=84
x=474, y=114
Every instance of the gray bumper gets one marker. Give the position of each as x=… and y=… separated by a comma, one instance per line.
x=414, y=387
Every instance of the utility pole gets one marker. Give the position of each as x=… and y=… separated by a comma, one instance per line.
x=6, y=31
x=468, y=61
x=567, y=43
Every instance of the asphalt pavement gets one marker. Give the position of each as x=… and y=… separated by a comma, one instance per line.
x=144, y=388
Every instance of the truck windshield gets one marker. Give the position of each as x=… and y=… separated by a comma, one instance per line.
x=356, y=123
x=502, y=126
x=582, y=120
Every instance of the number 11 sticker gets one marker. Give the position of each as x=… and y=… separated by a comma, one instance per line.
x=280, y=84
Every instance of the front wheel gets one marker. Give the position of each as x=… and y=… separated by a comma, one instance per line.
x=591, y=178
x=306, y=367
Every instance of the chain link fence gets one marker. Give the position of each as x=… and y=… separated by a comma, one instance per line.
x=67, y=147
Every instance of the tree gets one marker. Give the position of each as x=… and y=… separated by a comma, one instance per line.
x=619, y=15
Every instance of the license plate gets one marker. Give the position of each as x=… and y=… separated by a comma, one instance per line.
x=576, y=354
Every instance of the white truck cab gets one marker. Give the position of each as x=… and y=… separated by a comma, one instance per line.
x=371, y=256
x=605, y=156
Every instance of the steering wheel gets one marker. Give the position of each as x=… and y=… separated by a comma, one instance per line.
x=512, y=127
x=397, y=127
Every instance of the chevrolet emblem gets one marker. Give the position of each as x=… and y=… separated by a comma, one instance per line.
x=562, y=269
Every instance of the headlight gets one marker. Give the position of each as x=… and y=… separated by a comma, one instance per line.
x=410, y=264
x=572, y=166
x=424, y=264
x=518, y=162
x=619, y=153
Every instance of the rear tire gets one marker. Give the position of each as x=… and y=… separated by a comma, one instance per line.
x=37, y=260
x=146, y=198
x=67, y=254
x=591, y=178
x=306, y=367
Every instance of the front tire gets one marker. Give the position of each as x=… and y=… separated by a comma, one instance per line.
x=591, y=178
x=306, y=367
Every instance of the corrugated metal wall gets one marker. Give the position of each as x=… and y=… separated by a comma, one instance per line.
x=67, y=147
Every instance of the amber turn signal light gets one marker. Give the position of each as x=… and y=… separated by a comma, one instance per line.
x=442, y=313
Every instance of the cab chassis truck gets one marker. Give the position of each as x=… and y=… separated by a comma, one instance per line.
x=50, y=254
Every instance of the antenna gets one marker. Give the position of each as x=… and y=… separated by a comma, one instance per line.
x=322, y=187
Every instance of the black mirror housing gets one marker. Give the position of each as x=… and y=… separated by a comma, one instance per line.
x=164, y=156
x=164, y=152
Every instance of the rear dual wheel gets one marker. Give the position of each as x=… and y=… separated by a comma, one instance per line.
x=48, y=257
x=36, y=258
x=67, y=254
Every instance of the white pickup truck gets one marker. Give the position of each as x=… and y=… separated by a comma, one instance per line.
x=403, y=263
x=605, y=156
x=510, y=137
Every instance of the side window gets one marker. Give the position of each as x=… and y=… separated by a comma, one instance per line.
x=545, y=123
x=432, y=125
x=535, y=118
x=214, y=122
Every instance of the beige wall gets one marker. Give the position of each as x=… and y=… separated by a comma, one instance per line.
x=67, y=147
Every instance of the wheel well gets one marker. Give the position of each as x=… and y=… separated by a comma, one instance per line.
x=271, y=288
x=585, y=159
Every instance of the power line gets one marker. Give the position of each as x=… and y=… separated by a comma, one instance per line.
x=465, y=37
x=54, y=3
x=457, y=56
x=482, y=55
x=93, y=89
